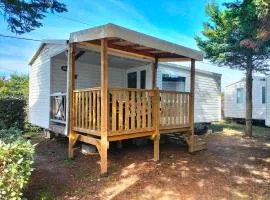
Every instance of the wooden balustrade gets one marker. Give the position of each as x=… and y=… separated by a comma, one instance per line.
x=131, y=110
x=87, y=109
x=174, y=109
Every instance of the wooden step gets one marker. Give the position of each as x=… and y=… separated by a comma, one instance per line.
x=200, y=142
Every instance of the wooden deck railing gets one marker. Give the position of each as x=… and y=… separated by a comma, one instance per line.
x=58, y=107
x=87, y=109
x=174, y=109
x=131, y=110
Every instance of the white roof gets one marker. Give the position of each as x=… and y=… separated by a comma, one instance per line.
x=114, y=31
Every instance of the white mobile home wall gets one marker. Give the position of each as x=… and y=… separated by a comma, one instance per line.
x=39, y=85
x=267, y=119
x=234, y=110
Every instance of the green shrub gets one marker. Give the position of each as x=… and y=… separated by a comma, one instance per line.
x=16, y=158
x=10, y=135
x=12, y=113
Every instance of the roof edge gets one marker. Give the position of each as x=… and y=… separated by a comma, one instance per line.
x=42, y=45
x=112, y=30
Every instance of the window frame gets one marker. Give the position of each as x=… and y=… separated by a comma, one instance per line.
x=263, y=95
x=240, y=96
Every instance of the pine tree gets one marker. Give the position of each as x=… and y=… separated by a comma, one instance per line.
x=233, y=38
x=24, y=16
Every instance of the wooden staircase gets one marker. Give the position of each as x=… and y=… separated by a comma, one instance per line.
x=200, y=141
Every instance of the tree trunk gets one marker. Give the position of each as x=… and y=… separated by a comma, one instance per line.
x=249, y=84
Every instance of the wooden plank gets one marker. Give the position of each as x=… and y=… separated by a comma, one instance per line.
x=80, y=109
x=156, y=122
x=83, y=108
x=131, y=135
x=87, y=131
x=186, y=109
x=114, y=110
x=130, y=131
x=183, y=108
x=175, y=110
x=75, y=108
x=149, y=111
x=138, y=108
x=98, y=110
x=104, y=105
x=127, y=111
x=90, y=140
x=175, y=130
x=90, y=110
x=133, y=113
x=71, y=86
x=143, y=110
x=94, y=110
x=118, y=52
x=88, y=89
x=120, y=115
x=86, y=109
x=166, y=109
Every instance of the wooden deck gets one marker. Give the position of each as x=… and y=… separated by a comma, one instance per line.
x=100, y=115
x=131, y=111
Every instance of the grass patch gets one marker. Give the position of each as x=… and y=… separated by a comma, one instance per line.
x=45, y=195
x=258, y=131
x=68, y=161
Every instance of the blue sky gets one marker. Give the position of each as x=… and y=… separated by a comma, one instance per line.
x=176, y=21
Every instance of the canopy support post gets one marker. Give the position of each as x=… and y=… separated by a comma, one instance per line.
x=104, y=106
x=71, y=86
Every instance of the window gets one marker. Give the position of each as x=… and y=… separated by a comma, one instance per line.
x=263, y=95
x=143, y=78
x=173, y=83
x=240, y=95
x=132, y=80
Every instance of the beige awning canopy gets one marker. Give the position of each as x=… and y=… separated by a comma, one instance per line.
x=126, y=40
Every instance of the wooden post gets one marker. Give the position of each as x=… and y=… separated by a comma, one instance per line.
x=71, y=86
x=104, y=105
x=191, y=104
x=156, y=121
x=154, y=75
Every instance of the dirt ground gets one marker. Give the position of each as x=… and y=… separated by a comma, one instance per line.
x=232, y=168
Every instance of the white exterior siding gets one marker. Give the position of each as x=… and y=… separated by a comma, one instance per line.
x=39, y=86
x=88, y=75
x=267, y=119
x=232, y=109
x=207, y=91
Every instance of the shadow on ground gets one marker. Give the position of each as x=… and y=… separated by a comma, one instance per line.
x=231, y=168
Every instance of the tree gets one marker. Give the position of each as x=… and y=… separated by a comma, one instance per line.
x=263, y=9
x=232, y=38
x=24, y=16
x=14, y=87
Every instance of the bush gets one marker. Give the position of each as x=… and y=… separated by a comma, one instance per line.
x=12, y=113
x=16, y=158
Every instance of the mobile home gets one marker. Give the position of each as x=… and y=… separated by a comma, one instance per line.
x=235, y=102
x=109, y=83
